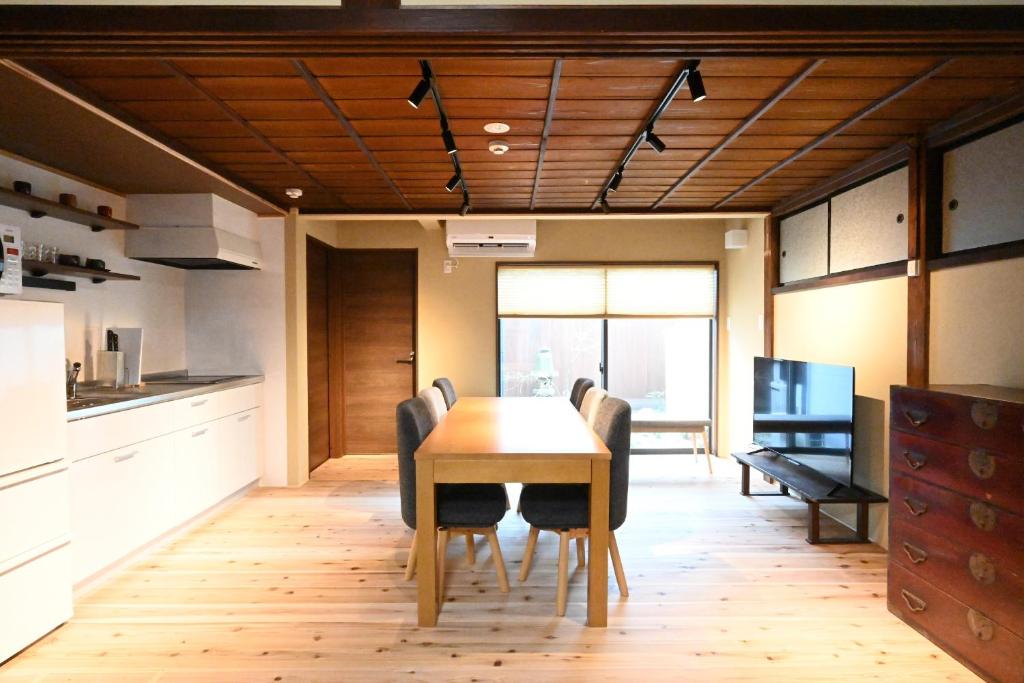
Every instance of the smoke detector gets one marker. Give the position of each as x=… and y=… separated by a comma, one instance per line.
x=498, y=147
x=497, y=127
x=293, y=192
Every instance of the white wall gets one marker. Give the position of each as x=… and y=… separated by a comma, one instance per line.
x=235, y=325
x=156, y=303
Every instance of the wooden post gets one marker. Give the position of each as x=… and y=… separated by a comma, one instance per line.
x=918, y=286
x=771, y=280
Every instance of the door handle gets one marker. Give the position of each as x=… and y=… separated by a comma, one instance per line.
x=408, y=361
x=916, y=508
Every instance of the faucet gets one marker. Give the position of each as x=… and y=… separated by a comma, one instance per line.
x=72, y=378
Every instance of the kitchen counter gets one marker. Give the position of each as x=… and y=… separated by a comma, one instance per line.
x=117, y=400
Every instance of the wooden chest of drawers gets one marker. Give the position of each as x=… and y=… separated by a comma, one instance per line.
x=956, y=522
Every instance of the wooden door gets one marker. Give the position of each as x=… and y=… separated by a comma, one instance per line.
x=318, y=351
x=373, y=342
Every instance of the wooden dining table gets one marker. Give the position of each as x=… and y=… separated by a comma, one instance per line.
x=498, y=440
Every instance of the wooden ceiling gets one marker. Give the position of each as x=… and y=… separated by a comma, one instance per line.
x=769, y=128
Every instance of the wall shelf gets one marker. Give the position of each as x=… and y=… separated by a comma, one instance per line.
x=37, y=207
x=45, y=283
x=39, y=268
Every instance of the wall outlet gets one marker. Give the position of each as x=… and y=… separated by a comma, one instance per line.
x=448, y=266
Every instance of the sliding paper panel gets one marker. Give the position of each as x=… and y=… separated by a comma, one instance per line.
x=803, y=241
x=869, y=223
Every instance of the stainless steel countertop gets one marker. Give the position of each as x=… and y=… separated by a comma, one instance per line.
x=116, y=400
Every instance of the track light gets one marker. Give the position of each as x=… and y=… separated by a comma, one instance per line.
x=449, y=141
x=616, y=179
x=654, y=141
x=696, y=83
x=421, y=90
x=455, y=181
x=465, y=209
x=604, y=204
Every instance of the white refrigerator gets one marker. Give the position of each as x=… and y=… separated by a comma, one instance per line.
x=35, y=577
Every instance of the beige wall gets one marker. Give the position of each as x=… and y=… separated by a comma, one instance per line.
x=863, y=325
x=977, y=324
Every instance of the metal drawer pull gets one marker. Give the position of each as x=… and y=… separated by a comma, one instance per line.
x=199, y=433
x=982, y=464
x=126, y=456
x=985, y=414
x=983, y=516
x=915, y=460
x=914, y=603
x=915, y=418
x=196, y=404
x=916, y=555
x=980, y=625
x=916, y=508
x=244, y=418
x=982, y=568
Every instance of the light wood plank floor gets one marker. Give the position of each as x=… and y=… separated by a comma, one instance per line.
x=306, y=585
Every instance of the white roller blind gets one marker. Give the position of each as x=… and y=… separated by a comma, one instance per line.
x=607, y=291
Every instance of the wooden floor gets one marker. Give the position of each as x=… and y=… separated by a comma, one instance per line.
x=306, y=585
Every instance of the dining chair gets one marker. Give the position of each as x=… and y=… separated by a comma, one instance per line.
x=466, y=509
x=435, y=403
x=565, y=508
x=579, y=389
x=591, y=400
x=447, y=389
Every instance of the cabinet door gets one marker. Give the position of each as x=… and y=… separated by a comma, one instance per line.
x=803, y=245
x=157, y=505
x=198, y=474
x=244, y=452
x=869, y=224
x=982, y=199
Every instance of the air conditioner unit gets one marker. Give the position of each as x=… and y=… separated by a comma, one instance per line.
x=477, y=237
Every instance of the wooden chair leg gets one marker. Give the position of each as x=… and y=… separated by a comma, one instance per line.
x=620, y=575
x=581, y=556
x=531, y=547
x=470, y=548
x=499, y=561
x=707, y=449
x=410, y=564
x=442, y=549
x=693, y=437
x=562, y=595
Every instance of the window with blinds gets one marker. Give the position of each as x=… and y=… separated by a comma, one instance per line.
x=607, y=291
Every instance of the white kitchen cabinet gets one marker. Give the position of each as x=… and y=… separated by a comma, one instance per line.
x=869, y=223
x=803, y=245
x=243, y=455
x=982, y=198
x=37, y=596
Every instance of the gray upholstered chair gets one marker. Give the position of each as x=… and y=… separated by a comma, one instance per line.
x=435, y=403
x=565, y=508
x=466, y=509
x=579, y=389
x=591, y=402
x=447, y=390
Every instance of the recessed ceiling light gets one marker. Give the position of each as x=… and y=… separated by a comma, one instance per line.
x=498, y=147
x=497, y=127
x=293, y=192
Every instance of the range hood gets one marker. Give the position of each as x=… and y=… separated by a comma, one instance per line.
x=194, y=248
x=193, y=231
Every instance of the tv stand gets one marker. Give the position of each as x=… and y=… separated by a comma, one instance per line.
x=813, y=488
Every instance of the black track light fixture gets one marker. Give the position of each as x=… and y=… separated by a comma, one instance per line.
x=465, y=209
x=455, y=181
x=419, y=92
x=696, y=83
x=656, y=143
x=605, y=206
x=449, y=141
x=616, y=179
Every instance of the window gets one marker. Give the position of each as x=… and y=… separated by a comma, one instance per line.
x=646, y=333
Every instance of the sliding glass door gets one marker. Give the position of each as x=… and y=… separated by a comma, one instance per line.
x=544, y=356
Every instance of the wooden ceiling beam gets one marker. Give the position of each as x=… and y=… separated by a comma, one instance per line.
x=671, y=32
x=556, y=76
x=314, y=84
x=740, y=129
x=837, y=129
x=184, y=76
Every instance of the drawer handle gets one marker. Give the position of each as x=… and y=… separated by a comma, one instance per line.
x=915, y=418
x=916, y=555
x=244, y=418
x=985, y=414
x=914, y=603
x=915, y=461
x=980, y=625
x=126, y=456
x=983, y=516
x=916, y=508
x=982, y=464
x=199, y=433
x=982, y=569
x=196, y=404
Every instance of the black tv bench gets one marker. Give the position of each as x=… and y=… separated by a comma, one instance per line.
x=811, y=487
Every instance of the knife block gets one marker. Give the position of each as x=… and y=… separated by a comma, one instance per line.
x=110, y=368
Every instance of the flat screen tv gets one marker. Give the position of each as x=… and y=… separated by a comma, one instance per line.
x=804, y=412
